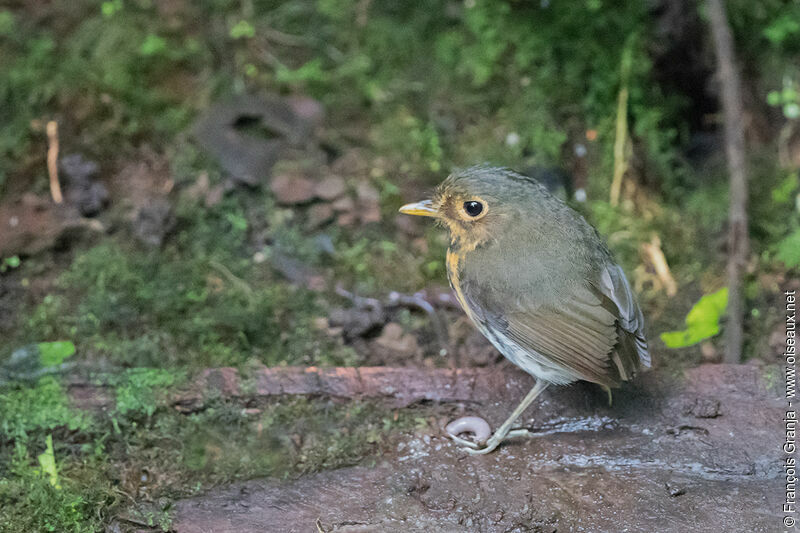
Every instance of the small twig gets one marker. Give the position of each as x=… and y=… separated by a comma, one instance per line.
x=359, y=301
x=52, y=161
x=120, y=491
x=231, y=277
x=286, y=39
x=621, y=141
x=655, y=256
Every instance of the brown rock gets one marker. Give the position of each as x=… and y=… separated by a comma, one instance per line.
x=33, y=201
x=214, y=195
x=345, y=203
x=319, y=214
x=395, y=339
x=26, y=230
x=330, y=188
x=292, y=189
x=352, y=163
x=367, y=193
x=368, y=203
x=356, y=322
x=371, y=213
x=199, y=188
x=591, y=466
x=346, y=219
x=317, y=283
x=407, y=225
x=309, y=113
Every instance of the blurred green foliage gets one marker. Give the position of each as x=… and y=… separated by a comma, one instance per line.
x=54, y=353
x=788, y=250
x=702, y=322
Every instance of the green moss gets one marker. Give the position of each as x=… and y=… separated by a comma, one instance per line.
x=30, y=502
x=152, y=309
x=225, y=442
x=181, y=454
x=139, y=389
x=43, y=406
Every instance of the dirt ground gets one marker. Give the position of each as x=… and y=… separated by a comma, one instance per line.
x=662, y=458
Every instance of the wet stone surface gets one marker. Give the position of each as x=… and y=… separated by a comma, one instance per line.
x=695, y=453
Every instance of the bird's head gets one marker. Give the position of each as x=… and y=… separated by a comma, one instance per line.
x=478, y=204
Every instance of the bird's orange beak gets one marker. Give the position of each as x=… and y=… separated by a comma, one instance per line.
x=423, y=209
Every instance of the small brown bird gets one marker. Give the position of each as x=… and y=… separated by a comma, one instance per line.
x=538, y=282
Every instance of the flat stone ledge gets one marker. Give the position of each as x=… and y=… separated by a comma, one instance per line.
x=698, y=452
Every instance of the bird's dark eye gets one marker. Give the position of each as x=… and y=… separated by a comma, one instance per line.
x=473, y=208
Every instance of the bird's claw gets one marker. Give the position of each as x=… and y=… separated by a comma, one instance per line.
x=486, y=440
x=489, y=447
x=467, y=444
x=473, y=448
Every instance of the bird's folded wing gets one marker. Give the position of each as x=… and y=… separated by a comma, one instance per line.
x=596, y=332
x=614, y=285
x=580, y=335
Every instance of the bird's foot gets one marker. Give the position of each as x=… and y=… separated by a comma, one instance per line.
x=480, y=428
x=495, y=441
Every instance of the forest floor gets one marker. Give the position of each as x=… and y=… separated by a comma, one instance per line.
x=177, y=466
x=204, y=237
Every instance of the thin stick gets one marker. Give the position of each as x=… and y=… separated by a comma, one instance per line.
x=656, y=256
x=52, y=161
x=732, y=118
x=621, y=141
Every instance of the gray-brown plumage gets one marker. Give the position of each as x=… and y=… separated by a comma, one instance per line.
x=537, y=280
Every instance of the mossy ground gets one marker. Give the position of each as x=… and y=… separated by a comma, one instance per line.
x=129, y=463
x=416, y=89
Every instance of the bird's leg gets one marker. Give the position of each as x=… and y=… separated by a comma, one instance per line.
x=503, y=431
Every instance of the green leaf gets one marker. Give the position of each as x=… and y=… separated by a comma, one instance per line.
x=54, y=353
x=242, y=29
x=153, y=45
x=6, y=22
x=782, y=194
x=109, y=8
x=789, y=249
x=9, y=262
x=782, y=29
x=310, y=71
x=237, y=221
x=47, y=461
x=702, y=322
